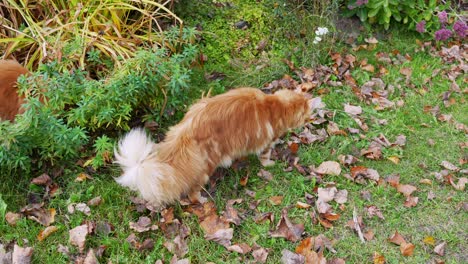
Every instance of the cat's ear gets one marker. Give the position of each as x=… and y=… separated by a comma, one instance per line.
x=315, y=103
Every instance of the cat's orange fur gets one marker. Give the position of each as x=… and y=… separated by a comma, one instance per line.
x=10, y=101
x=213, y=133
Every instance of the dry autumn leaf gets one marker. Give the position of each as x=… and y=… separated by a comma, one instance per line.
x=21, y=255
x=329, y=168
x=430, y=240
x=44, y=179
x=411, y=201
x=178, y=246
x=46, y=232
x=241, y=248
x=259, y=254
x=78, y=236
x=12, y=218
x=326, y=194
x=289, y=257
x=406, y=189
x=449, y=166
x=368, y=67
x=286, y=229
x=265, y=175
x=142, y=225
x=397, y=239
x=374, y=211
x=406, y=249
x=276, y=200
x=378, y=258
x=352, y=109
x=440, y=249
x=82, y=177
x=230, y=214
x=39, y=214
x=460, y=186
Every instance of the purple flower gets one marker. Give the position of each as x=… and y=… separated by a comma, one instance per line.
x=361, y=2
x=443, y=17
x=460, y=28
x=421, y=26
x=443, y=34
x=350, y=7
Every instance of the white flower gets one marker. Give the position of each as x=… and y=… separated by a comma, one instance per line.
x=321, y=31
x=318, y=39
x=315, y=42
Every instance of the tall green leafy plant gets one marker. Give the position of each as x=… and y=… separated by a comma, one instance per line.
x=386, y=12
x=74, y=109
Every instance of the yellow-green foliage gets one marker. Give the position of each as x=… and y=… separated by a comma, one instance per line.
x=39, y=31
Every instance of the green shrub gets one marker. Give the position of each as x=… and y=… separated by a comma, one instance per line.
x=386, y=12
x=77, y=109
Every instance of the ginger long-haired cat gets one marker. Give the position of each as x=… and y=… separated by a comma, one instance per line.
x=10, y=101
x=213, y=133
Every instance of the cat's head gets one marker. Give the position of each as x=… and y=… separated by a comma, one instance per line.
x=298, y=106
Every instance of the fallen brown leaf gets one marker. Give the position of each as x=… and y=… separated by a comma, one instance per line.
x=91, y=258
x=21, y=255
x=259, y=254
x=265, y=175
x=378, y=258
x=39, y=214
x=406, y=189
x=326, y=194
x=95, y=201
x=440, y=249
x=221, y=236
x=46, y=232
x=302, y=205
x=368, y=67
x=286, y=229
x=82, y=177
x=263, y=217
x=374, y=211
x=426, y=181
x=449, y=166
x=289, y=257
x=352, y=109
x=369, y=235
x=78, y=236
x=142, y=225
x=230, y=214
x=44, y=179
x=406, y=249
x=411, y=201
x=460, y=186
x=12, y=218
x=241, y=248
x=397, y=239
x=329, y=168
x=393, y=180
x=178, y=246
x=276, y=200
x=341, y=196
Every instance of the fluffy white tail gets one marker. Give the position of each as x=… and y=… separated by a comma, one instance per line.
x=133, y=150
x=142, y=172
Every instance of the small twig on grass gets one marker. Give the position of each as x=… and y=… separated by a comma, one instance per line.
x=356, y=226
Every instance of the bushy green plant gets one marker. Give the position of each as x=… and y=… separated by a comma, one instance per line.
x=385, y=12
x=40, y=31
x=75, y=109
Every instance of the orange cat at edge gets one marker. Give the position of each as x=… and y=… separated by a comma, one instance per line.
x=10, y=101
x=213, y=133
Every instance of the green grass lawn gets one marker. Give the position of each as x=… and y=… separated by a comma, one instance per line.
x=429, y=142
